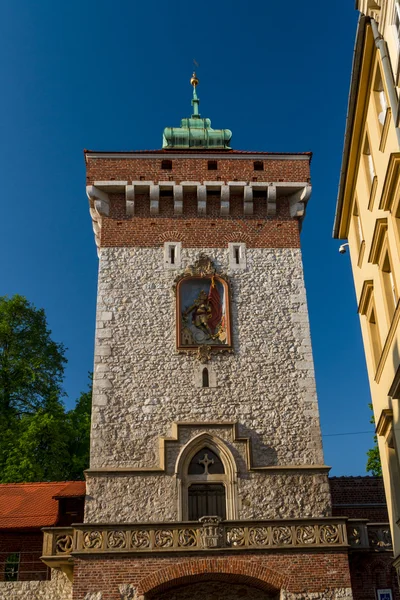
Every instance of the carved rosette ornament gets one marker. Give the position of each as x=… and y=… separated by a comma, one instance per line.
x=282, y=536
x=212, y=534
x=235, y=536
x=92, y=539
x=63, y=544
x=259, y=536
x=116, y=539
x=164, y=538
x=187, y=538
x=329, y=534
x=305, y=534
x=140, y=538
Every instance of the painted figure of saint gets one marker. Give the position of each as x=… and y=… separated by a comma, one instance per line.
x=207, y=311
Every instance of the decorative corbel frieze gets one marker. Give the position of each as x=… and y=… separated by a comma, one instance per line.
x=130, y=200
x=99, y=200
x=271, y=200
x=201, y=199
x=225, y=203
x=154, y=199
x=298, y=200
x=248, y=200
x=99, y=206
x=178, y=199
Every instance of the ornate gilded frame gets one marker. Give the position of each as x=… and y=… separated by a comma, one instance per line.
x=202, y=269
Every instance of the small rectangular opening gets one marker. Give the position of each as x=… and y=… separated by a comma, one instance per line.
x=212, y=165
x=172, y=254
x=166, y=165
x=11, y=569
x=258, y=165
x=236, y=253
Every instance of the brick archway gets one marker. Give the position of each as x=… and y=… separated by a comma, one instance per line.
x=230, y=570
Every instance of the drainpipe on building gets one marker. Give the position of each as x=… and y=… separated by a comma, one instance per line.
x=387, y=68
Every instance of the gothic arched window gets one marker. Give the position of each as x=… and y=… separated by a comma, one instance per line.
x=207, y=480
x=206, y=498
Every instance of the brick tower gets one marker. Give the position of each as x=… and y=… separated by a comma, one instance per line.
x=207, y=476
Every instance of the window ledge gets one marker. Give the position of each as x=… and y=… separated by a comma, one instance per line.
x=361, y=254
x=388, y=343
x=372, y=194
x=385, y=129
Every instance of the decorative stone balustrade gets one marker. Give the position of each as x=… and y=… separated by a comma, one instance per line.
x=212, y=533
x=362, y=534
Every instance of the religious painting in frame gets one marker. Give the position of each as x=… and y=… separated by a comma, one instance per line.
x=203, y=315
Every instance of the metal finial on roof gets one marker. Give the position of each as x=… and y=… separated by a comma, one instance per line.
x=195, y=102
x=195, y=132
x=194, y=81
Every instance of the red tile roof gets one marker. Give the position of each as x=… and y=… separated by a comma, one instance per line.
x=33, y=505
x=73, y=489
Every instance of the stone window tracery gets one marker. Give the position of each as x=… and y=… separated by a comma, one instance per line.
x=207, y=478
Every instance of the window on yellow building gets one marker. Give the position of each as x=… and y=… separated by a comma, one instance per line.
x=396, y=20
x=368, y=161
x=380, y=256
x=384, y=428
x=389, y=286
x=380, y=98
x=397, y=222
x=368, y=309
x=375, y=340
x=357, y=226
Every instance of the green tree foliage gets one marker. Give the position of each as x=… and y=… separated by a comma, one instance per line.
x=79, y=434
x=31, y=363
x=39, y=440
x=374, y=460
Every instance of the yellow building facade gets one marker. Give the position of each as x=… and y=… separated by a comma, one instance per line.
x=368, y=216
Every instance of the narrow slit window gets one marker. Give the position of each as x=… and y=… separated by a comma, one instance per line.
x=237, y=254
x=172, y=254
x=205, y=378
x=212, y=165
x=258, y=165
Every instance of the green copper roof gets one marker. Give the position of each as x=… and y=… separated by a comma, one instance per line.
x=196, y=132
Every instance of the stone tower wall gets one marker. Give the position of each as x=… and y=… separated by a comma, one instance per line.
x=142, y=386
x=147, y=403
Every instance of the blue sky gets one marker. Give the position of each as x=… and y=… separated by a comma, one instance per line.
x=110, y=76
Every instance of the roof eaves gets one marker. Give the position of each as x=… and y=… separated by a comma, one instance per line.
x=196, y=151
x=354, y=85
